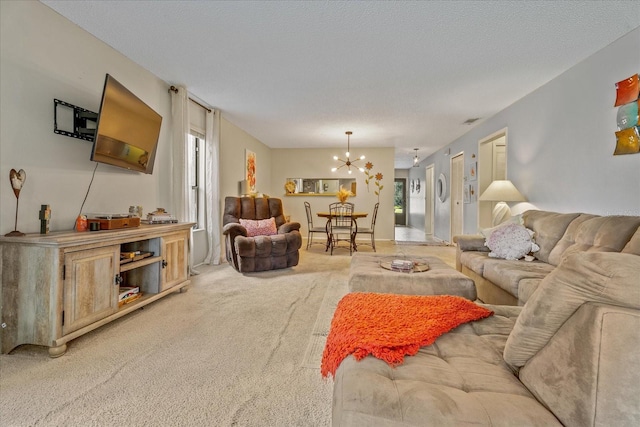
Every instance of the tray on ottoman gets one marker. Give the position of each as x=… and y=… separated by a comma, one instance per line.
x=367, y=275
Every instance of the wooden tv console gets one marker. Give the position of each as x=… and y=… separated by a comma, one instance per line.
x=58, y=286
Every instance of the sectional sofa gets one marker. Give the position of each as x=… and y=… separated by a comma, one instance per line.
x=512, y=282
x=568, y=356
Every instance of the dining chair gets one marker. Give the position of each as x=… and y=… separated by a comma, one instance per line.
x=341, y=223
x=311, y=228
x=370, y=230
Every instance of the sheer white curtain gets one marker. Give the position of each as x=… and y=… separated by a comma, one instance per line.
x=212, y=187
x=179, y=155
x=180, y=159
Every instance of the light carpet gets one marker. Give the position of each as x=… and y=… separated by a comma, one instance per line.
x=235, y=350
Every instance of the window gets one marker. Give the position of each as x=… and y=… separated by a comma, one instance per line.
x=195, y=164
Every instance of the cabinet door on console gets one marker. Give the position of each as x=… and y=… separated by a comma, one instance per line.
x=90, y=288
x=175, y=255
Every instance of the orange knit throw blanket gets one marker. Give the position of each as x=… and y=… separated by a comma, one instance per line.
x=391, y=326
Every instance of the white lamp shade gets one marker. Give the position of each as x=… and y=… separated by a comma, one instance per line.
x=502, y=191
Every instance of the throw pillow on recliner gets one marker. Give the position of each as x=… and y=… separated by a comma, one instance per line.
x=259, y=227
x=511, y=241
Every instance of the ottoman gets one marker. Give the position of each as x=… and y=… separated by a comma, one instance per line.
x=366, y=275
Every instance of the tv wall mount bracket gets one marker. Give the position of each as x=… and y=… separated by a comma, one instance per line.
x=74, y=121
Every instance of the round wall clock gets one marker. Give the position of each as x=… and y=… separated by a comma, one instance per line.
x=441, y=187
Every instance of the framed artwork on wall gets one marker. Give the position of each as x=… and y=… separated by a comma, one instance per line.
x=250, y=170
x=472, y=171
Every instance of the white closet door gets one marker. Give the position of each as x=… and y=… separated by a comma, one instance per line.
x=457, y=194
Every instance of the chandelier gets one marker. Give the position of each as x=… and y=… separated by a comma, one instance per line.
x=416, y=159
x=348, y=163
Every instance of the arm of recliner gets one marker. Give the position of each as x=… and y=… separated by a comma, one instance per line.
x=234, y=229
x=288, y=227
x=231, y=231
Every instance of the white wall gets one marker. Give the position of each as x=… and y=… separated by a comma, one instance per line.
x=560, y=143
x=317, y=163
x=45, y=56
x=416, y=199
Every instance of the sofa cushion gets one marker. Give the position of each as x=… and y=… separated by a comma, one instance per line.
x=606, y=277
x=633, y=246
x=507, y=274
x=461, y=379
x=510, y=241
x=526, y=288
x=568, y=239
x=474, y=260
x=588, y=372
x=548, y=228
x=595, y=233
x=259, y=227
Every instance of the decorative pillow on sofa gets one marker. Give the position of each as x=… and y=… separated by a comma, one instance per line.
x=516, y=219
x=511, y=241
x=259, y=227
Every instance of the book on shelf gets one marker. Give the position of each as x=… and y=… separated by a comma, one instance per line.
x=126, y=291
x=131, y=254
x=129, y=299
x=160, y=218
x=128, y=294
x=126, y=257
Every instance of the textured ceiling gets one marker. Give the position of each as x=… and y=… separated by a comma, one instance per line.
x=402, y=74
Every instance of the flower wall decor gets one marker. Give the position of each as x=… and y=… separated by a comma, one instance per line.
x=378, y=177
x=367, y=173
x=371, y=176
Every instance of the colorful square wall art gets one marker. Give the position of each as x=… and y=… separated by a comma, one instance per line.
x=250, y=170
x=627, y=117
x=627, y=90
x=627, y=141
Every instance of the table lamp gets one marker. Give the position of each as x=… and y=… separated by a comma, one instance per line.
x=501, y=191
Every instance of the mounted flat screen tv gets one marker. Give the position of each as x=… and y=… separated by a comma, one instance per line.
x=127, y=130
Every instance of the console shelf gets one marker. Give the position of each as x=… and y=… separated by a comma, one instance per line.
x=136, y=264
x=59, y=286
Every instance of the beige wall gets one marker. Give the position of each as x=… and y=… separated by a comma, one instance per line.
x=45, y=56
x=317, y=163
x=233, y=143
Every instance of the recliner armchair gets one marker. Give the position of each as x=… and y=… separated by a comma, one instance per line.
x=263, y=252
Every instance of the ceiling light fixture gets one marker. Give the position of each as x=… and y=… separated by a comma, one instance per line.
x=348, y=163
x=416, y=159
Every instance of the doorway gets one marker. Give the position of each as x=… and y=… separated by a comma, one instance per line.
x=400, y=200
x=429, y=200
x=492, y=165
x=457, y=200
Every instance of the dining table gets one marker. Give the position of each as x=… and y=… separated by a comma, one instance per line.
x=354, y=215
